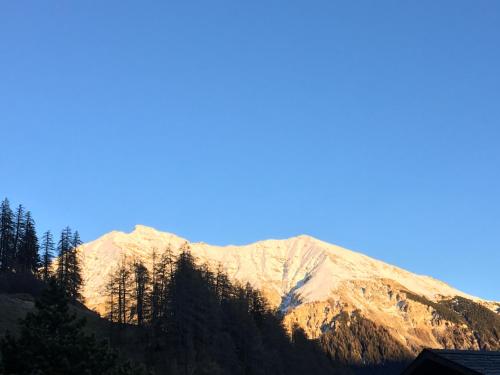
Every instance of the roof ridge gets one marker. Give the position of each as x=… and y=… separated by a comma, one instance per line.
x=468, y=351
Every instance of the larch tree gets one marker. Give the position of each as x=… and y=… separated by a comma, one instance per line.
x=111, y=298
x=162, y=273
x=141, y=286
x=118, y=291
x=122, y=280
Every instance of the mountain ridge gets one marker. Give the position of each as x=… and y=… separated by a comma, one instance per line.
x=310, y=281
x=143, y=229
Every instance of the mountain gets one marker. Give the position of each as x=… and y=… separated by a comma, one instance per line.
x=361, y=309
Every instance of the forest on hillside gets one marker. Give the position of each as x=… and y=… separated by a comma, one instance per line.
x=197, y=322
x=180, y=319
x=25, y=258
x=174, y=317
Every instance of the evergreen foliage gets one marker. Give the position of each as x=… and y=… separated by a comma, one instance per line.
x=141, y=288
x=356, y=340
x=189, y=319
x=28, y=259
x=484, y=322
x=73, y=269
x=7, y=237
x=201, y=323
x=47, y=255
x=63, y=248
x=19, y=228
x=52, y=342
x=68, y=264
x=20, y=254
x=479, y=319
x=18, y=240
x=441, y=310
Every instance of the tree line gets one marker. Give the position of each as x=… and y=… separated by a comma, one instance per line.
x=198, y=322
x=183, y=318
x=52, y=340
x=24, y=254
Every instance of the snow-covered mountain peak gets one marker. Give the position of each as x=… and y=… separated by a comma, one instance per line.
x=142, y=236
x=309, y=280
x=140, y=229
x=308, y=268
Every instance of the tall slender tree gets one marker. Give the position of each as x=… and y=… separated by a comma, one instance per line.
x=47, y=255
x=154, y=295
x=19, y=229
x=111, y=298
x=162, y=273
x=119, y=290
x=63, y=249
x=6, y=236
x=122, y=280
x=222, y=285
x=141, y=283
x=73, y=269
x=28, y=259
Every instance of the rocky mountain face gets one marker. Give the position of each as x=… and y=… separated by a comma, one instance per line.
x=360, y=309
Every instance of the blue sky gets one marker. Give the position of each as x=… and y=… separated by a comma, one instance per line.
x=370, y=124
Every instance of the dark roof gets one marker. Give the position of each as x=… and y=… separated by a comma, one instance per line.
x=462, y=361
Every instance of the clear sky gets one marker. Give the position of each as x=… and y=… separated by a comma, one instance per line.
x=374, y=125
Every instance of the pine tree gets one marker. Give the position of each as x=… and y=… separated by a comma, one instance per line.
x=28, y=259
x=63, y=248
x=19, y=229
x=7, y=253
x=73, y=269
x=68, y=264
x=47, y=255
x=52, y=341
x=192, y=317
